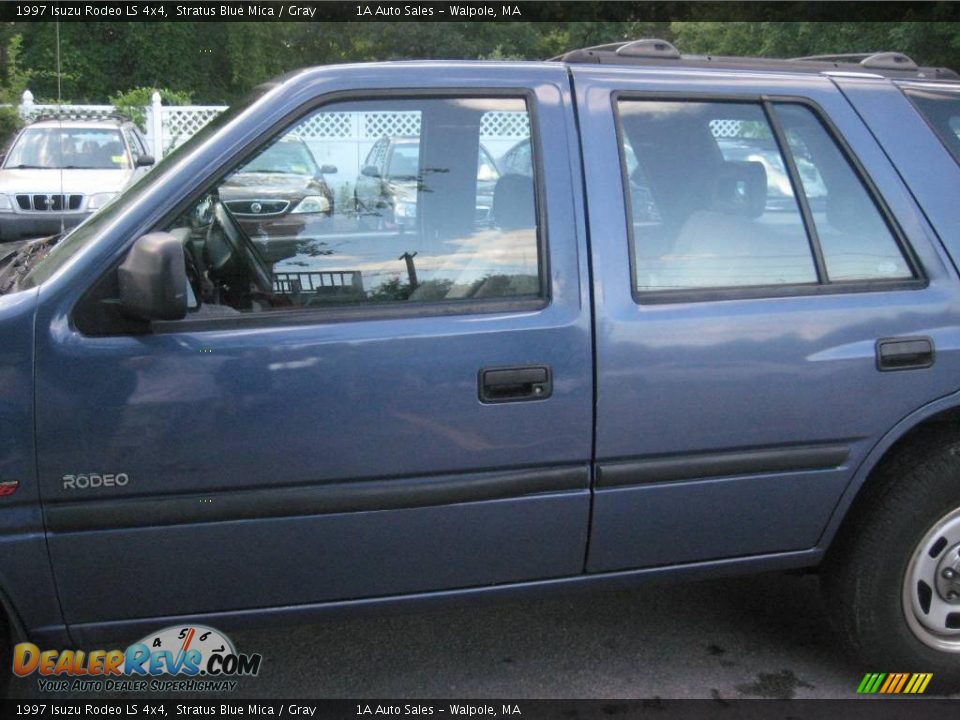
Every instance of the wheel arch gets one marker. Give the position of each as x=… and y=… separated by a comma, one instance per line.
x=941, y=413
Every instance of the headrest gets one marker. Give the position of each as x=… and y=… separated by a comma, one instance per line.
x=740, y=188
x=513, y=204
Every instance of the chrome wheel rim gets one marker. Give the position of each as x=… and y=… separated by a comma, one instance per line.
x=931, y=586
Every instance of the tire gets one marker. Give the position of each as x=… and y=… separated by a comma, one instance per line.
x=887, y=549
x=6, y=658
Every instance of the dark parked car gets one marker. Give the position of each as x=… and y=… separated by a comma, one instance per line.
x=588, y=388
x=281, y=198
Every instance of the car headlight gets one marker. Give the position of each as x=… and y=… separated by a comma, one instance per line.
x=312, y=204
x=98, y=200
x=5, y=203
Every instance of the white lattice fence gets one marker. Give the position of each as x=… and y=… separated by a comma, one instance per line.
x=726, y=128
x=394, y=124
x=180, y=123
x=506, y=125
x=375, y=125
x=329, y=125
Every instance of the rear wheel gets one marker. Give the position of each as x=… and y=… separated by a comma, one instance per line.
x=931, y=586
x=892, y=577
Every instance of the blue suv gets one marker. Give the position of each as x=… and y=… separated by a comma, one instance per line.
x=755, y=366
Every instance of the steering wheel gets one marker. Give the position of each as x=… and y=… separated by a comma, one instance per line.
x=242, y=247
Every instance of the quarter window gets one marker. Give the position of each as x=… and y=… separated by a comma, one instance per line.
x=713, y=203
x=856, y=242
x=941, y=109
x=370, y=202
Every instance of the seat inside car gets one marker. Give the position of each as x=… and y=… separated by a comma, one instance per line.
x=513, y=202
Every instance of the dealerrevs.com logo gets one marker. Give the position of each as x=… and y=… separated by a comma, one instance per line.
x=201, y=658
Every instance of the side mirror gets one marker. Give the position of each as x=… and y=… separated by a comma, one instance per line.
x=145, y=161
x=370, y=171
x=153, y=279
x=328, y=170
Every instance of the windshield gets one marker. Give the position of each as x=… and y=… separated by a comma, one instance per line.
x=404, y=163
x=287, y=156
x=52, y=148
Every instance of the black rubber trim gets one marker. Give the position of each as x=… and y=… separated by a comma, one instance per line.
x=343, y=497
x=723, y=464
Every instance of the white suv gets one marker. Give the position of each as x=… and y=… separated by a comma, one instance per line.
x=58, y=171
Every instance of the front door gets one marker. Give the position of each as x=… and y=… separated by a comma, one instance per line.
x=351, y=409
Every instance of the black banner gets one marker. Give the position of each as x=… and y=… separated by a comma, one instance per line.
x=469, y=10
x=875, y=709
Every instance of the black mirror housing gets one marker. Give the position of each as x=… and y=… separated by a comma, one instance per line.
x=153, y=279
x=145, y=161
x=328, y=169
x=370, y=171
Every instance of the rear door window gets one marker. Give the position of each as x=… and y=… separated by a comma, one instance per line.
x=702, y=174
x=727, y=195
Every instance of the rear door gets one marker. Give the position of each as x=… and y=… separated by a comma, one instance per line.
x=401, y=411
x=769, y=302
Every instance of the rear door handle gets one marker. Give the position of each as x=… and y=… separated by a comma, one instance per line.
x=904, y=353
x=512, y=384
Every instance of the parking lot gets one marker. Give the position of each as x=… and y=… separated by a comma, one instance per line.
x=753, y=637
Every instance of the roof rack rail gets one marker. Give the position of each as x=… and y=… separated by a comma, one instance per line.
x=648, y=47
x=874, y=61
x=839, y=57
x=655, y=52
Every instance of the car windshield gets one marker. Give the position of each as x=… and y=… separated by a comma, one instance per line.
x=288, y=156
x=52, y=148
x=405, y=161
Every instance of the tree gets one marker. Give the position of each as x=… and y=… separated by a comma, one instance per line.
x=218, y=62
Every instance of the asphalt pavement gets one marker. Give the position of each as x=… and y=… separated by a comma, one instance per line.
x=753, y=637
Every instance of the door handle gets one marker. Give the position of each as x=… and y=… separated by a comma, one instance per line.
x=511, y=384
x=904, y=353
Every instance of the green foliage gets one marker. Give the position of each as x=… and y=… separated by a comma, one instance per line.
x=218, y=62
x=132, y=103
x=16, y=77
x=10, y=122
x=928, y=43
x=393, y=289
x=343, y=203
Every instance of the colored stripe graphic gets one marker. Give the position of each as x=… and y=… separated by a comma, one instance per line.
x=903, y=680
x=892, y=680
x=894, y=683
